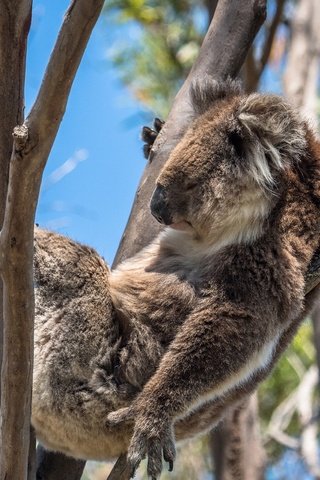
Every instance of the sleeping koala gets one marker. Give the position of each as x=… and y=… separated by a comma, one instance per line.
x=158, y=348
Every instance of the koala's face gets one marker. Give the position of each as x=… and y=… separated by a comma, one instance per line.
x=227, y=170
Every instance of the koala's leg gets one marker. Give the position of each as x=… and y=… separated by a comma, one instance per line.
x=223, y=356
x=149, y=136
x=76, y=345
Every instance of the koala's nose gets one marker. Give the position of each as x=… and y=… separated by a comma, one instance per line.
x=159, y=206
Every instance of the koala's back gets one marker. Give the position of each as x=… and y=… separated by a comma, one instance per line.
x=75, y=336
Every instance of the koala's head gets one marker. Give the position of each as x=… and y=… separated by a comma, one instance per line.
x=230, y=167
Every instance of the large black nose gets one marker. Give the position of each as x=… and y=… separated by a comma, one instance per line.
x=159, y=206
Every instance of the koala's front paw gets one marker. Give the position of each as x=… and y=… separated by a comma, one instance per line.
x=149, y=136
x=152, y=438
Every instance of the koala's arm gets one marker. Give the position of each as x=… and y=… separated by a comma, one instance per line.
x=212, y=353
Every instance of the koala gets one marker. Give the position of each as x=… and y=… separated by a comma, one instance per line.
x=156, y=350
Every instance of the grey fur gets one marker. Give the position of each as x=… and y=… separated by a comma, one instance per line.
x=172, y=337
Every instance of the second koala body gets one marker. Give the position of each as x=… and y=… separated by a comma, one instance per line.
x=193, y=322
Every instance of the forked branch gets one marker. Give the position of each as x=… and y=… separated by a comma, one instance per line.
x=32, y=143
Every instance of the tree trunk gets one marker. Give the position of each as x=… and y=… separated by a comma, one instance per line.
x=32, y=141
x=300, y=86
x=15, y=18
x=301, y=75
x=236, y=446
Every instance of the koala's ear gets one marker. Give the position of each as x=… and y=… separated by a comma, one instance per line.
x=274, y=126
x=206, y=92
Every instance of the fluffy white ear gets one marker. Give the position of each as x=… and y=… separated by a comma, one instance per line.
x=277, y=136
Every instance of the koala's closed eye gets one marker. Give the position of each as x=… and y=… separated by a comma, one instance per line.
x=237, y=142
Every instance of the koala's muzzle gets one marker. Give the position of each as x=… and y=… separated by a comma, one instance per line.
x=159, y=206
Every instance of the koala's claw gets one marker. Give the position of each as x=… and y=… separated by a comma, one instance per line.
x=169, y=452
x=154, y=445
x=158, y=124
x=149, y=136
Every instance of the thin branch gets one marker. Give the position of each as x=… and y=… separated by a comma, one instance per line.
x=254, y=68
x=270, y=35
x=299, y=400
x=309, y=442
x=280, y=420
x=15, y=18
x=32, y=144
x=120, y=470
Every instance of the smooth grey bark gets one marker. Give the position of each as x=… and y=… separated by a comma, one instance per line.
x=301, y=75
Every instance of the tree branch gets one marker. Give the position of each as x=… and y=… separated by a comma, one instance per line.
x=299, y=400
x=54, y=466
x=300, y=79
x=15, y=18
x=270, y=34
x=31, y=147
x=120, y=470
x=243, y=19
x=232, y=457
x=211, y=6
x=255, y=68
x=244, y=22
x=309, y=442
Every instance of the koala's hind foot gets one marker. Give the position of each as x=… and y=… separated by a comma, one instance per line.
x=149, y=136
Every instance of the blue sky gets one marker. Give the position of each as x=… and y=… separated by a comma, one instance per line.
x=96, y=162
